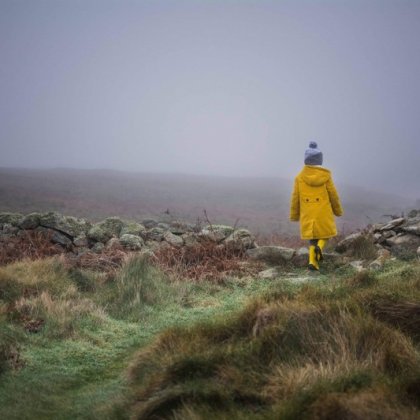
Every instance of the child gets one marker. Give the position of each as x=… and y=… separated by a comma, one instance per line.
x=314, y=203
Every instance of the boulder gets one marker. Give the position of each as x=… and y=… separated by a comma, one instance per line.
x=98, y=247
x=412, y=226
x=172, y=239
x=163, y=225
x=149, y=223
x=393, y=224
x=68, y=225
x=270, y=273
x=60, y=239
x=132, y=228
x=180, y=228
x=404, y=245
x=132, y=242
x=30, y=221
x=155, y=234
x=190, y=239
x=301, y=258
x=12, y=218
x=81, y=240
x=358, y=265
x=222, y=229
x=240, y=239
x=389, y=233
x=271, y=254
x=348, y=242
x=105, y=230
x=9, y=229
x=211, y=235
x=113, y=243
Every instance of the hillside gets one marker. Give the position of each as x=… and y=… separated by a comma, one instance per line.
x=137, y=343
x=172, y=322
x=261, y=204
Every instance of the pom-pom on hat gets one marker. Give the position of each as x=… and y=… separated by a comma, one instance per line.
x=313, y=156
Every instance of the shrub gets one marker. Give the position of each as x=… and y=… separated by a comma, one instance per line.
x=29, y=245
x=206, y=260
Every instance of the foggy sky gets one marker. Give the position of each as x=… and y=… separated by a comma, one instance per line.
x=213, y=87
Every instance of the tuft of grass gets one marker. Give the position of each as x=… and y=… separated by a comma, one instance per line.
x=364, y=248
x=138, y=286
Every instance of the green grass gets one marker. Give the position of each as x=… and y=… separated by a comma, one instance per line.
x=75, y=365
x=139, y=345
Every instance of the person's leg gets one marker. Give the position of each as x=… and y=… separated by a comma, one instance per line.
x=313, y=262
x=319, y=248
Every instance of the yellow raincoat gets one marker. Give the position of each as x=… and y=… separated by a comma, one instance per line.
x=314, y=203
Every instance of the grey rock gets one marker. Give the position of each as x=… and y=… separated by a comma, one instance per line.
x=393, y=223
x=413, y=228
x=223, y=230
x=153, y=245
x=301, y=258
x=131, y=242
x=69, y=225
x=376, y=227
x=240, y=239
x=149, y=223
x=113, y=243
x=163, y=225
x=30, y=221
x=270, y=273
x=81, y=251
x=98, y=247
x=348, y=242
x=132, y=228
x=190, y=239
x=404, y=246
x=358, y=265
x=383, y=253
x=9, y=229
x=389, y=233
x=378, y=238
x=180, y=228
x=155, y=234
x=271, y=254
x=209, y=235
x=13, y=218
x=172, y=239
x=105, y=230
x=61, y=239
x=81, y=240
x=376, y=265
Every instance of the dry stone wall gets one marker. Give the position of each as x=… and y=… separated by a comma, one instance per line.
x=78, y=235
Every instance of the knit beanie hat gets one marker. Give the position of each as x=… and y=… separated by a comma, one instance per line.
x=313, y=156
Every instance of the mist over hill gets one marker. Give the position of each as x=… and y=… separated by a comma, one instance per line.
x=261, y=204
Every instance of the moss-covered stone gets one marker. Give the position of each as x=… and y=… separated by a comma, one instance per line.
x=69, y=225
x=13, y=218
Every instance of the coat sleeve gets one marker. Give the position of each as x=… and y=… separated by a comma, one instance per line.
x=334, y=199
x=294, y=203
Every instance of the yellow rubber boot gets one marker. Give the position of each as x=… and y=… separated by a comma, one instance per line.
x=319, y=247
x=313, y=263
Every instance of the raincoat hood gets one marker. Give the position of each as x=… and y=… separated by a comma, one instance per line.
x=315, y=176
